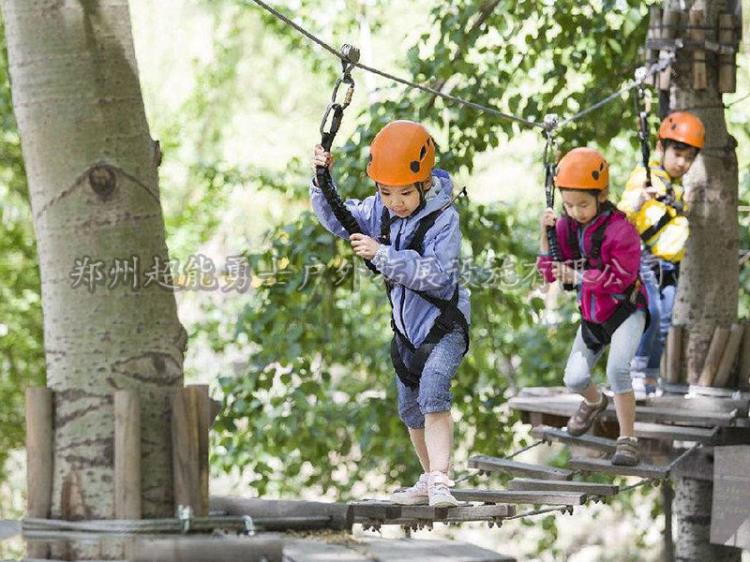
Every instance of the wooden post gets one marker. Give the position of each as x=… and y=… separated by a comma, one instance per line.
x=713, y=358
x=670, y=21
x=39, y=436
x=727, y=62
x=127, y=455
x=744, y=367
x=190, y=419
x=697, y=18
x=200, y=392
x=729, y=357
x=674, y=354
x=654, y=33
x=39, y=457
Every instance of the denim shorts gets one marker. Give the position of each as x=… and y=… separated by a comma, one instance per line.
x=433, y=394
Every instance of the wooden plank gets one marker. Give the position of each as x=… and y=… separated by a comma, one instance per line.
x=730, y=517
x=729, y=357
x=744, y=366
x=509, y=496
x=127, y=454
x=375, y=510
x=495, y=464
x=416, y=550
x=588, y=488
x=727, y=64
x=713, y=357
x=420, y=514
x=192, y=549
x=566, y=406
x=701, y=403
x=340, y=514
x=39, y=435
x=673, y=432
x=605, y=466
x=587, y=441
x=698, y=20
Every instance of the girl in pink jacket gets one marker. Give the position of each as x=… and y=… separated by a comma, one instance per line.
x=599, y=256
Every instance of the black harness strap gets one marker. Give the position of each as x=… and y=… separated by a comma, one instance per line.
x=449, y=319
x=597, y=335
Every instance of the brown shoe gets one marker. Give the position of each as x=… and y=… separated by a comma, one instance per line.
x=583, y=419
x=626, y=453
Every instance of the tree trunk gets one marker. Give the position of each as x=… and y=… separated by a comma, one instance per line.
x=709, y=278
x=92, y=174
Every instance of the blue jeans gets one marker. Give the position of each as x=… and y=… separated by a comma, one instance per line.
x=434, y=391
x=621, y=351
x=660, y=305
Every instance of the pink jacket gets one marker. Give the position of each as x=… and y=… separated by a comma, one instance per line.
x=604, y=283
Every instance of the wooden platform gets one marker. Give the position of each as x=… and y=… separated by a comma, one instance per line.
x=374, y=513
x=587, y=441
x=519, y=497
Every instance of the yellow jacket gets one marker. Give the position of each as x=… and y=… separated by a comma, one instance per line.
x=663, y=229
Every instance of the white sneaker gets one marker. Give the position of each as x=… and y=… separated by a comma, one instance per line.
x=439, y=490
x=414, y=495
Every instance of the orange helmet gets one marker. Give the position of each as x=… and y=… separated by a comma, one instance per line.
x=683, y=126
x=582, y=168
x=402, y=153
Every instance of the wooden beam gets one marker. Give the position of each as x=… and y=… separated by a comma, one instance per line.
x=744, y=367
x=697, y=20
x=375, y=510
x=508, y=496
x=601, y=465
x=127, y=412
x=727, y=64
x=587, y=441
x=192, y=549
x=203, y=407
x=496, y=464
x=588, y=488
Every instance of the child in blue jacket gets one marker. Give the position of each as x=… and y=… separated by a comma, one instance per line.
x=410, y=233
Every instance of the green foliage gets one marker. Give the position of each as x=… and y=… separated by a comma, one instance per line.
x=21, y=352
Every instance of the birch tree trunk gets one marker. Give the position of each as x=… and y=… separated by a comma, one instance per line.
x=707, y=295
x=109, y=323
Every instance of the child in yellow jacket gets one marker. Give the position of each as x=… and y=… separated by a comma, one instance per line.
x=654, y=201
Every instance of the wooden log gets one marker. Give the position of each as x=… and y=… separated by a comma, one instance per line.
x=673, y=354
x=670, y=21
x=39, y=460
x=340, y=514
x=743, y=370
x=697, y=20
x=225, y=549
x=713, y=357
x=729, y=357
x=203, y=404
x=127, y=454
x=727, y=62
x=185, y=450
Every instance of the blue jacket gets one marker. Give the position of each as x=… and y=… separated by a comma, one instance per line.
x=436, y=272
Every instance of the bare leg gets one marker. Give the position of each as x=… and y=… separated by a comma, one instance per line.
x=591, y=393
x=439, y=439
x=625, y=408
x=417, y=439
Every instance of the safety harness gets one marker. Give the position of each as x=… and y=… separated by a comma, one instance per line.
x=597, y=335
x=449, y=319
